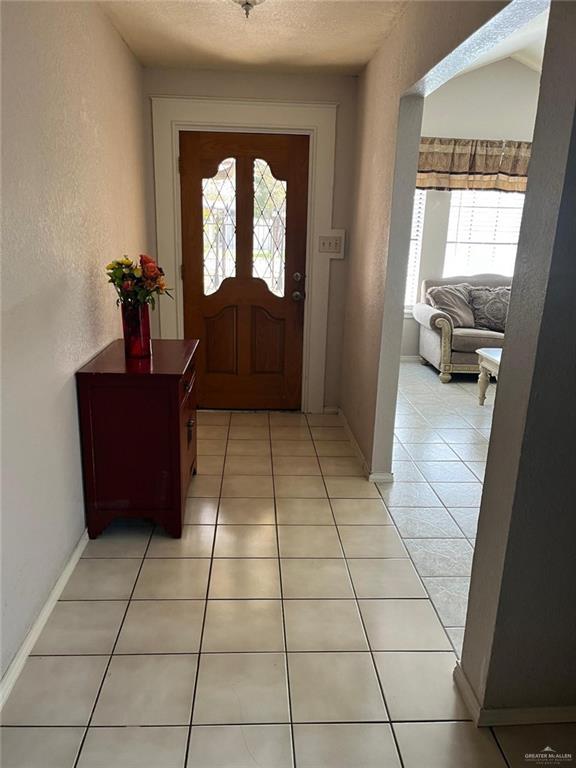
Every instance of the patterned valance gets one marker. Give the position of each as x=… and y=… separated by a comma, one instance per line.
x=473, y=164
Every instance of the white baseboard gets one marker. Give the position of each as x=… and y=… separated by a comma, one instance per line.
x=331, y=410
x=381, y=477
x=467, y=692
x=374, y=477
x=410, y=358
x=509, y=715
x=12, y=673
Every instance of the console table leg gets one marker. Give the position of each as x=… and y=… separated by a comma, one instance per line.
x=95, y=526
x=483, y=382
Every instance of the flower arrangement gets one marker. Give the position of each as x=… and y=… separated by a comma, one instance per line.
x=137, y=283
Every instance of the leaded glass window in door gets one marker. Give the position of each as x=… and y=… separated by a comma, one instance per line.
x=269, y=238
x=219, y=218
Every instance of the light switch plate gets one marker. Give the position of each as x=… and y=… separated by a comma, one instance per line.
x=330, y=244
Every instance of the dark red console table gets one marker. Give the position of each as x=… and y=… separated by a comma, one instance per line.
x=138, y=434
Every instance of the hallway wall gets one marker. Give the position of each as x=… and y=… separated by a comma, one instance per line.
x=73, y=189
x=424, y=35
x=279, y=87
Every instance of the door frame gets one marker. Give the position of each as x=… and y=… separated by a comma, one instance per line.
x=317, y=120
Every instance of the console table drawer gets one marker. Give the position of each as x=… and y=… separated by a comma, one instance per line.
x=187, y=382
x=188, y=421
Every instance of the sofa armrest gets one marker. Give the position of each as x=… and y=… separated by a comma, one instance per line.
x=433, y=318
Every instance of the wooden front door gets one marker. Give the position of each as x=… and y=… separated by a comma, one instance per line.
x=244, y=211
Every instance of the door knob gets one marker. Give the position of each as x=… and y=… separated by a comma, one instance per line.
x=297, y=295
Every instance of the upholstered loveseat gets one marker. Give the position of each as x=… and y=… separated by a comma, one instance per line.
x=448, y=348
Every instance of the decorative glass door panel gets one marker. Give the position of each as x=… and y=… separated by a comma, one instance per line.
x=244, y=200
x=219, y=216
x=269, y=250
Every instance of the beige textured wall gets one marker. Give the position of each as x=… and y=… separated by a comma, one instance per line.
x=73, y=193
x=423, y=36
x=304, y=88
x=497, y=101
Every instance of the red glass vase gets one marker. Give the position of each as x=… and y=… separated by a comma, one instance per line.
x=136, y=326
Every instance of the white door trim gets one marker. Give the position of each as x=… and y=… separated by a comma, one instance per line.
x=171, y=115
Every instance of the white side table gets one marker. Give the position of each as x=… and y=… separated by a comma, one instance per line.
x=489, y=362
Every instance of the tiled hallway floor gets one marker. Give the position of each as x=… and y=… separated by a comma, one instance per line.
x=441, y=436
x=288, y=627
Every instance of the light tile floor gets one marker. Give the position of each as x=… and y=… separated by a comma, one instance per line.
x=289, y=626
x=440, y=450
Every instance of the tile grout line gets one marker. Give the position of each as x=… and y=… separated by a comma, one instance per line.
x=282, y=723
x=201, y=638
x=289, y=692
x=375, y=668
x=274, y=722
x=237, y=653
x=499, y=746
x=111, y=656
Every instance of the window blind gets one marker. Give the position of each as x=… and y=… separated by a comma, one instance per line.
x=411, y=294
x=483, y=231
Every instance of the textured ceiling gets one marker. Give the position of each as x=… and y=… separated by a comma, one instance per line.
x=287, y=35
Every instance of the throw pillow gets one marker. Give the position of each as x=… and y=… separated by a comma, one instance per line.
x=453, y=299
x=490, y=307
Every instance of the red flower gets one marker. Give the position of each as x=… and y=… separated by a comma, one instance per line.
x=144, y=259
x=127, y=286
x=150, y=270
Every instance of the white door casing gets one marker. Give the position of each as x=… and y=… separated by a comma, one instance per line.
x=318, y=120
